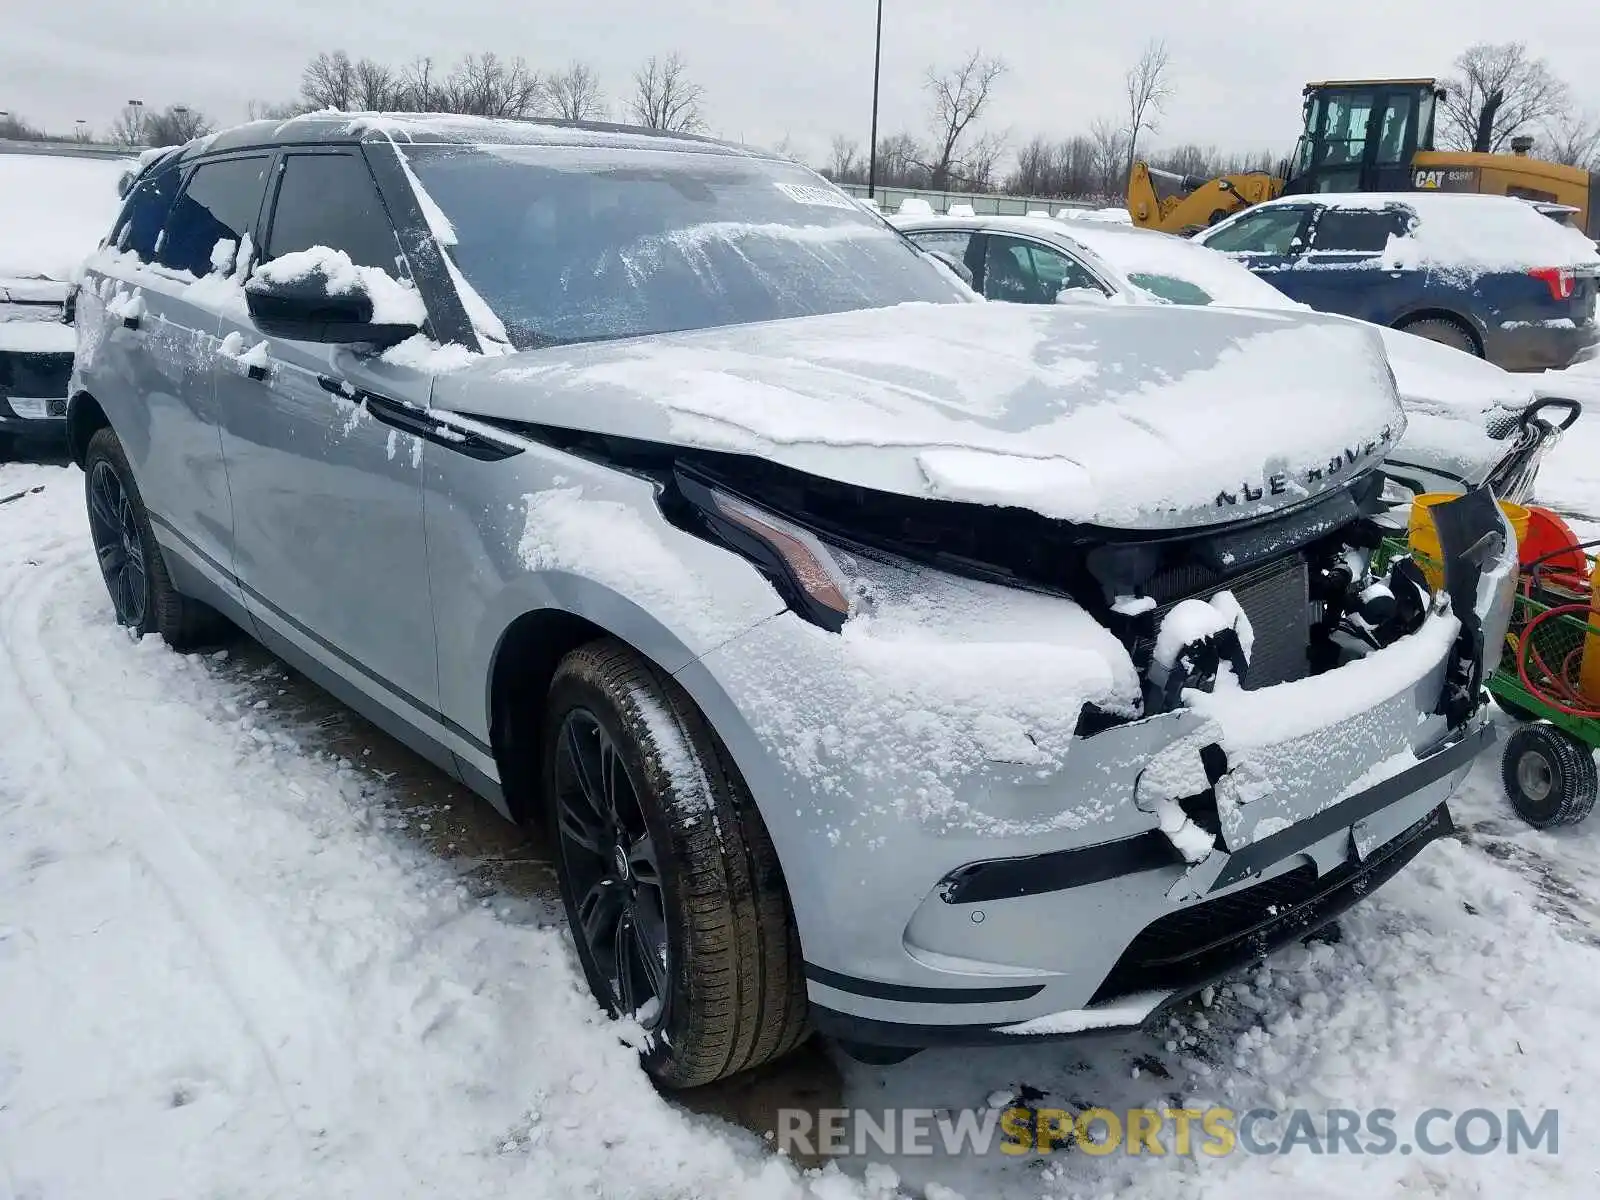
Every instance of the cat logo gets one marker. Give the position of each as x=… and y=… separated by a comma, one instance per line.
x=1457, y=179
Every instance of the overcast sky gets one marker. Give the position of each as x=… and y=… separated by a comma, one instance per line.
x=802, y=69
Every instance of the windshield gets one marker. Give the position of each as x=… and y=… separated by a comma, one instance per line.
x=579, y=244
x=1171, y=288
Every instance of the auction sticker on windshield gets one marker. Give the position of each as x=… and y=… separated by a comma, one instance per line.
x=817, y=196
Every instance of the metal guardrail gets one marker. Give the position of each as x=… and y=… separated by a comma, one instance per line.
x=68, y=149
x=983, y=203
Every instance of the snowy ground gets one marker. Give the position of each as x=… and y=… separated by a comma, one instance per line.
x=239, y=957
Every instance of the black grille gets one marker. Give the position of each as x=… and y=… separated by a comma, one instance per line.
x=1186, y=949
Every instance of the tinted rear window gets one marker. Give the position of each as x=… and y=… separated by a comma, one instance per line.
x=573, y=245
x=1356, y=230
x=219, y=204
x=145, y=212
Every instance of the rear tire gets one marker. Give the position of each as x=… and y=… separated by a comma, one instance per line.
x=1446, y=332
x=1549, y=776
x=130, y=560
x=674, y=845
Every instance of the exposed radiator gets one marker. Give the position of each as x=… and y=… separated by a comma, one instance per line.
x=1276, y=597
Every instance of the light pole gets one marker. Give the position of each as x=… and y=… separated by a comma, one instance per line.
x=872, y=148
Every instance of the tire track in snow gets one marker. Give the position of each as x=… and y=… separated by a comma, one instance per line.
x=284, y=1021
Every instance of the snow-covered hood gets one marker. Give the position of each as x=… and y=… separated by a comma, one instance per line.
x=1126, y=417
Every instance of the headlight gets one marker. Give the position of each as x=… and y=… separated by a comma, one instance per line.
x=803, y=570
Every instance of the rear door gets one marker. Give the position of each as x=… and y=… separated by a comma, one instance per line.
x=327, y=498
x=148, y=351
x=1342, y=270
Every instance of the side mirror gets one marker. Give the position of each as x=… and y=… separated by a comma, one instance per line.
x=306, y=308
x=949, y=261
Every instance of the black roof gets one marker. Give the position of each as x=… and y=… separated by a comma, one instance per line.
x=331, y=127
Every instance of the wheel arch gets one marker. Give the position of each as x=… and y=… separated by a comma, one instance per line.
x=1463, y=322
x=84, y=417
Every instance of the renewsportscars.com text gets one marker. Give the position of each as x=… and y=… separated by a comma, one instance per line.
x=1211, y=1132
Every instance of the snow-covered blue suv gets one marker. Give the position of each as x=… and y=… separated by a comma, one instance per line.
x=1490, y=275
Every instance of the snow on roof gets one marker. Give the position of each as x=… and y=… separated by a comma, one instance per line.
x=915, y=206
x=1471, y=233
x=54, y=209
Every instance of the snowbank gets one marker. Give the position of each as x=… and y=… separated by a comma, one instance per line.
x=54, y=210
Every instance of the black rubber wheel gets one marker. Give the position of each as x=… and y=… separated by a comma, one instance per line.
x=1446, y=333
x=672, y=888
x=1549, y=776
x=130, y=560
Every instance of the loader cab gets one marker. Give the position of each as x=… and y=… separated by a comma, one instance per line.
x=1360, y=135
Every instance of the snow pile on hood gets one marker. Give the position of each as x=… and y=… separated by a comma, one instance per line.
x=393, y=302
x=1130, y=416
x=54, y=210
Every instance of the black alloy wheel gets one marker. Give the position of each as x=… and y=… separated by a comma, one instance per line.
x=117, y=544
x=615, y=874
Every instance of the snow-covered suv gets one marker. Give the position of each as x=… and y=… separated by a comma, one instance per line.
x=888, y=663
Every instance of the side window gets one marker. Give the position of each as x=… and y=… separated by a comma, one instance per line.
x=1269, y=231
x=219, y=204
x=330, y=200
x=1356, y=230
x=145, y=212
x=953, y=242
x=1027, y=273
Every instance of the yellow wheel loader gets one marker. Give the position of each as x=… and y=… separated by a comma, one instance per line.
x=1368, y=135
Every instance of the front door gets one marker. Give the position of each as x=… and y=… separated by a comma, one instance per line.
x=329, y=541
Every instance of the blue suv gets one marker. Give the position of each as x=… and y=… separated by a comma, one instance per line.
x=1490, y=275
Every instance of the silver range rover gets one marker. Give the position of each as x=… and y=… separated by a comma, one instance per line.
x=882, y=662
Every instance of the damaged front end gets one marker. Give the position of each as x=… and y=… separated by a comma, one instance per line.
x=1276, y=721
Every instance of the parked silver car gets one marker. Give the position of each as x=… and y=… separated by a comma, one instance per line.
x=888, y=663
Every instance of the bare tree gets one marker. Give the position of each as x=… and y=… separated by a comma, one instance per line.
x=842, y=155
x=1148, y=92
x=420, y=90
x=329, y=81
x=377, y=87
x=1110, y=157
x=959, y=98
x=1573, y=139
x=263, y=110
x=983, y=160
x=901, y=161
x=575, y=93
x=665, y=98
x=1497, y=93
x=485, y=85
x=128, y=128
x=175, y=125
x=16, y=129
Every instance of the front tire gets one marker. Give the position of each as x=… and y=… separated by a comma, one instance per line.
x=671, y=885
x=130, y=561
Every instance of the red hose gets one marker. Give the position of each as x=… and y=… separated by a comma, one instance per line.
x=1569, y=698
